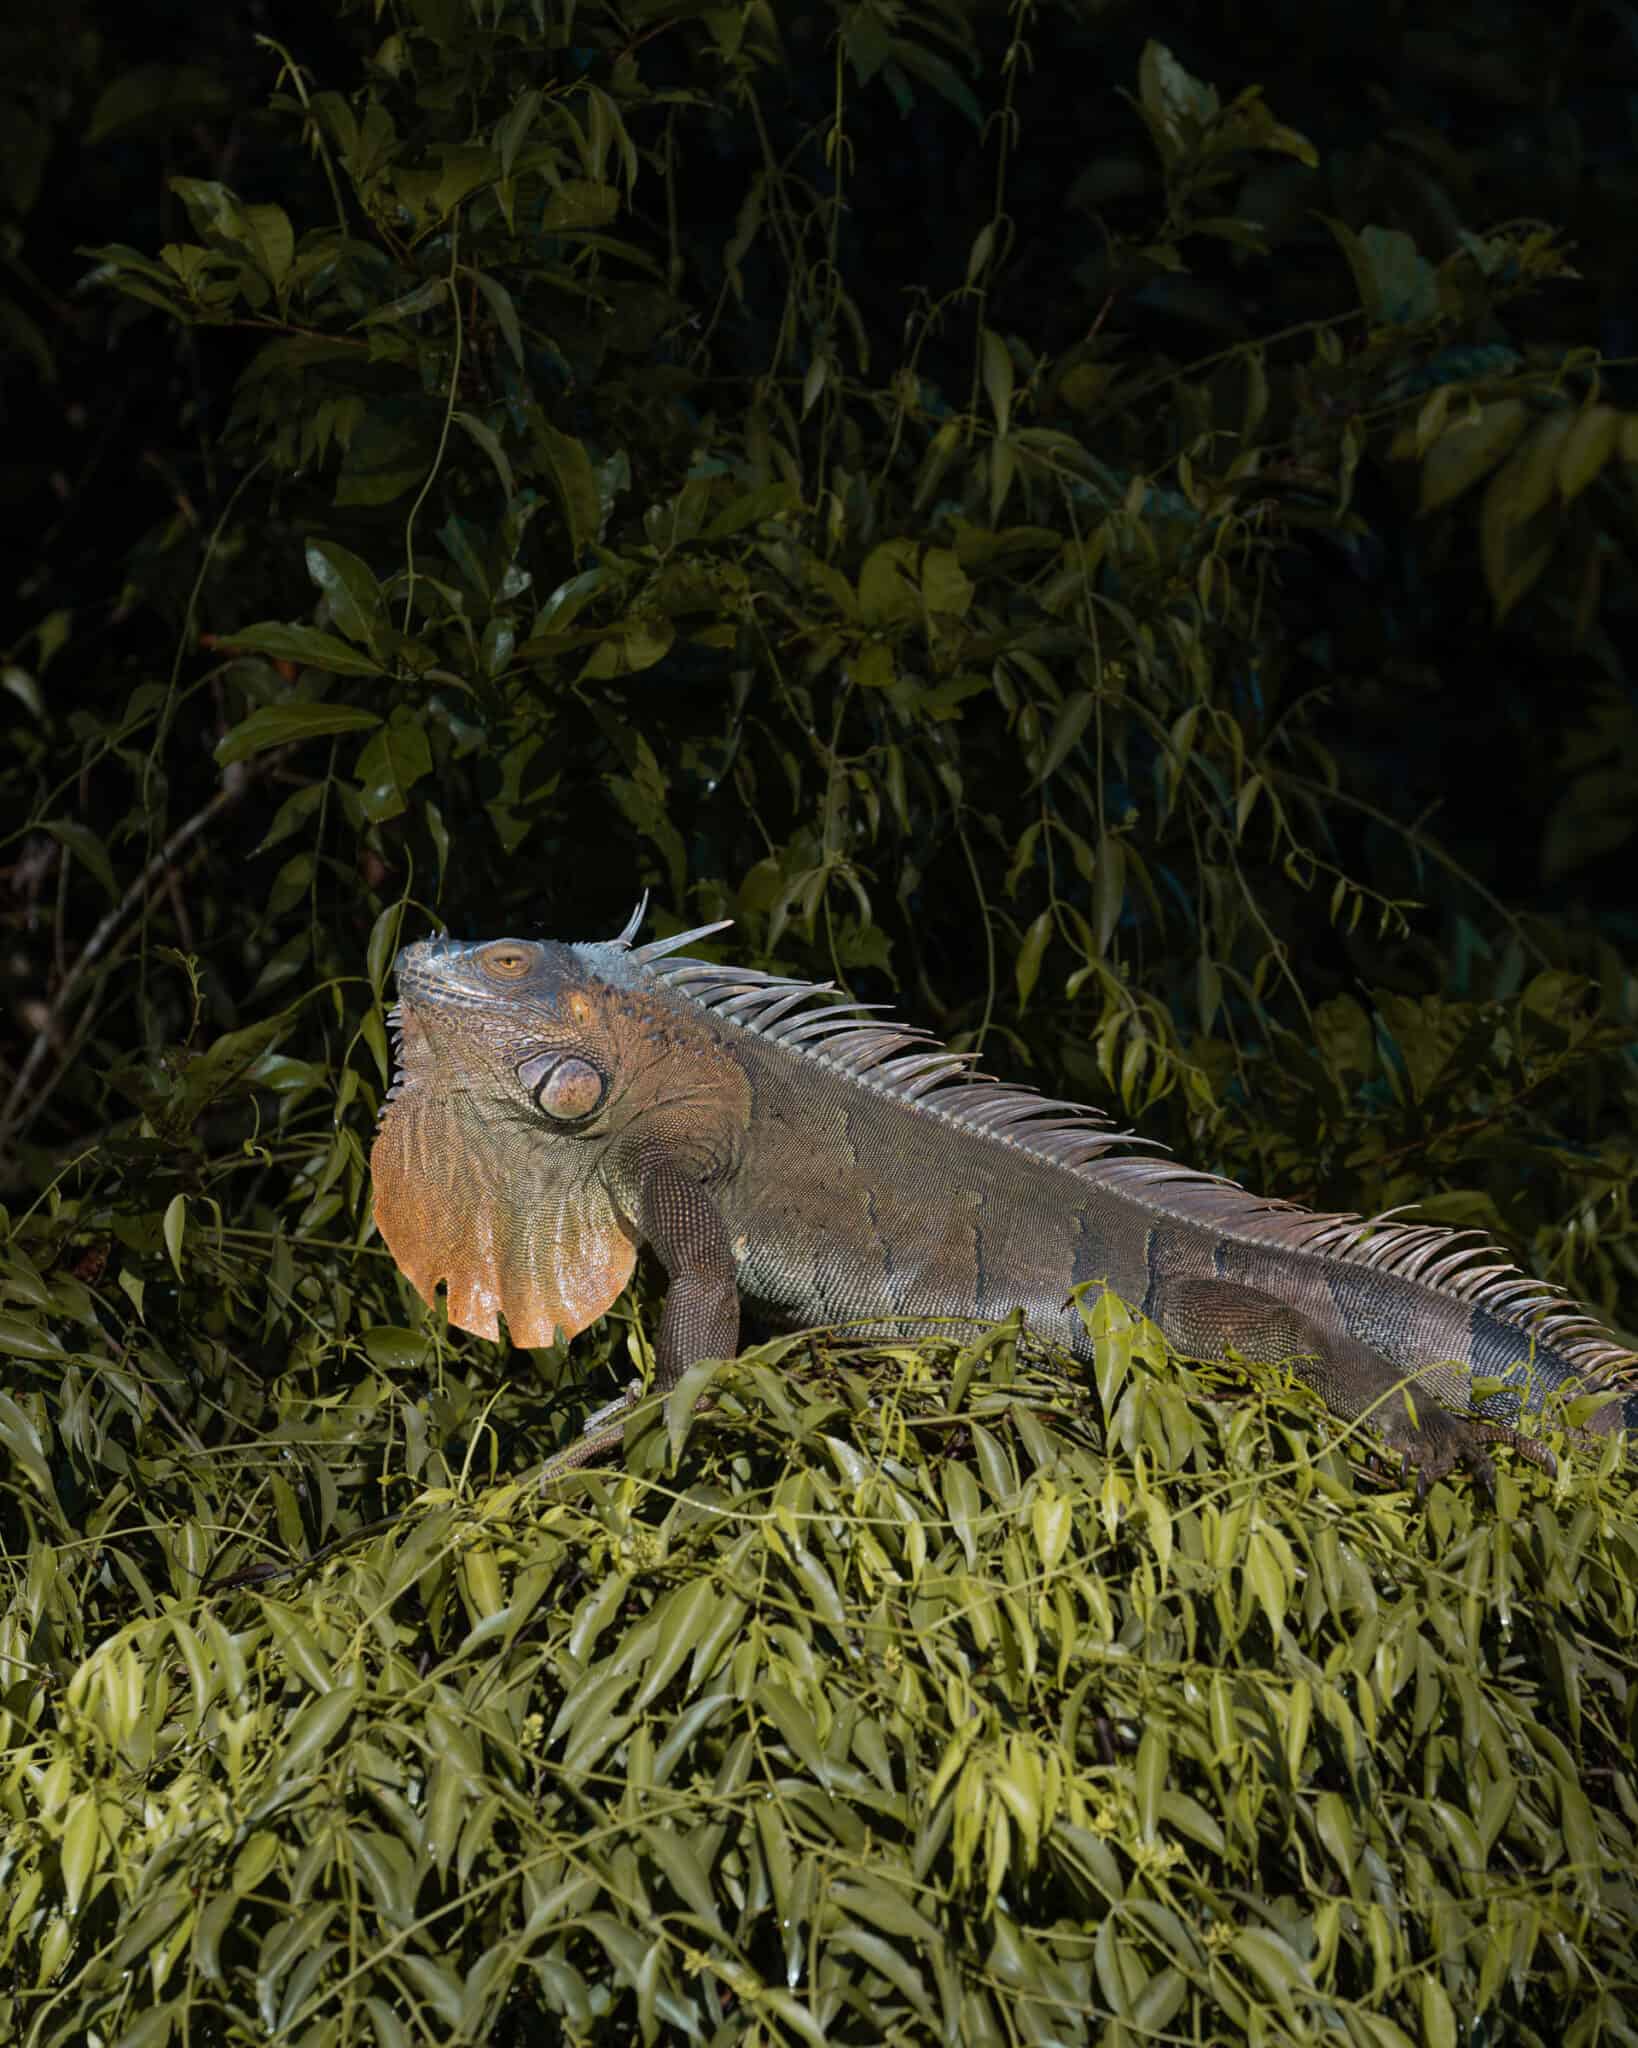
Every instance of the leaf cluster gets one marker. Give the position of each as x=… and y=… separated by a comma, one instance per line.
x=928, y=1699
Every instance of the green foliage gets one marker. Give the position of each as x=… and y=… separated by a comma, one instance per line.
x=1060, y=609
x=876, y=666
x=920, y=1704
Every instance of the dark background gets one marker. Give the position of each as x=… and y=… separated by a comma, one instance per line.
x=1480, y=754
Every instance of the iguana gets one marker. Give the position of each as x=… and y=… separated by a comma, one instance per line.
x=557, y=1106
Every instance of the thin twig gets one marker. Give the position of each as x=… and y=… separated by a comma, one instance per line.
x=235, y=780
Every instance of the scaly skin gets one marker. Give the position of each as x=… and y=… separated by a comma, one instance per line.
x=557, y=1107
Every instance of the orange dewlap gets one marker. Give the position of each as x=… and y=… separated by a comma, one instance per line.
x=551, y=1258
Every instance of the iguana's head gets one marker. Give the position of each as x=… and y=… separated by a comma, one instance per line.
x=528, y=1074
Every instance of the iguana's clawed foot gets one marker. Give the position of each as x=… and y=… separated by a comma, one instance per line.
x=604, y=1432
x=618, y=1406
x=1437, y=1442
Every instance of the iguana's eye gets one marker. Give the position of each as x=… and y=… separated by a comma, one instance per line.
x=507, y=962
x=563, y=1087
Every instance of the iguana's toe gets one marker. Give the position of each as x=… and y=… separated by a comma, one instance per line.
x=1437, y=1442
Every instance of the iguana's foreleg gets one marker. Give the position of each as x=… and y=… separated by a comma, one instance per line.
x=680, y=1221
x=1210, y=1318
x=677, y=1218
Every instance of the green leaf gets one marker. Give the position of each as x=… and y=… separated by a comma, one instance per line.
x=1108, y=890
x=578, y=203
x=271, y=239
x=388, y=455
x=23, y=1337
x=642, y=799
x=422, y=300
x=297, y=808
x=1533, y=468
x=997, y=364
x=350, y=585
x=1171, y=96
x=87, y=849
x=945, y=585
x=223, y=1068
x=394, y=1349
x=683, y=1399
x=1074, y=715
x=685, y=1872
x=683, y=1617
x=307, y=645
x=1588, y=446
x=795, y=2015
x=1517, y=532
x=212, y=208
x=514, y=126
x=1266, y=1577
x=175, y=1225
x=942, y=76
x=505, y=312
x=490, y=444
x=385, y=937
x=390, y=763
x=629, y=646
x=890, y=1963
x=869, y=1898
x=1276, y=1968
x=1469, y=448
x=80, y=1846
x=277, y=725
x=315, y=1727
x=768, y=501
x=18, y=1436
x=889, y=592
x=1439, y=2029
x=794, y=1724
x=569, y=467
x=1396, y=284
x=1027, y=967
x=819, y=1590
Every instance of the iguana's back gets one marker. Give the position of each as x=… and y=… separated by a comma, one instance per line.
x=559, y=1104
